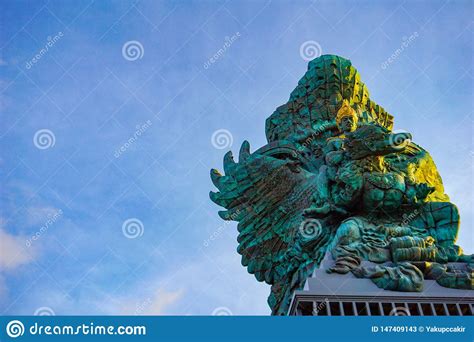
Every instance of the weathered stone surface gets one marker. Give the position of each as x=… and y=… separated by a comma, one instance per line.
x=335, y=178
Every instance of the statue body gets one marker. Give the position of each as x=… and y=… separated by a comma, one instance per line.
x=335, y=178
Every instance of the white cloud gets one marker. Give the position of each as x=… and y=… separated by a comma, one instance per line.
x=161, y=301
x=216, y=281
x=13, y=251
x=3, y=288
x=156, y=304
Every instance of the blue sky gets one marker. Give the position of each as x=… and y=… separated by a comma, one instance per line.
x=122, y=136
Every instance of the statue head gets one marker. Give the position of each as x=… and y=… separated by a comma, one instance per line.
x=346, y=118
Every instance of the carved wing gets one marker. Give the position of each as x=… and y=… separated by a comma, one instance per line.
x=267, y=195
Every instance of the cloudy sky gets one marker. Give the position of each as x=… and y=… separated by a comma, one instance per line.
x=108, y=110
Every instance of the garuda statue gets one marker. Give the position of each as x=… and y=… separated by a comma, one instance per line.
x=334, y=178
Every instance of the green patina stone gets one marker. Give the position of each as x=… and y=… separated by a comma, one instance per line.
x=334, y=178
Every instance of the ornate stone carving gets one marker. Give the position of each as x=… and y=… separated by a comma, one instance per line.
x=335, y=178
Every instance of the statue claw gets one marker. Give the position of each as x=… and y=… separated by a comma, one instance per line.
x=244, y=153
x=229, y=162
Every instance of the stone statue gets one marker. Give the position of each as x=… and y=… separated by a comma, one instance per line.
x=335, y=179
